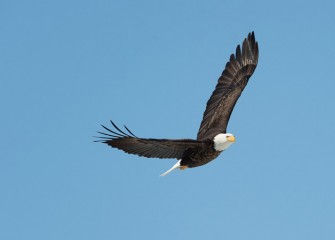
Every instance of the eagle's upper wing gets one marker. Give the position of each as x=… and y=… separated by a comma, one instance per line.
x=230, y=85
x=148, y=147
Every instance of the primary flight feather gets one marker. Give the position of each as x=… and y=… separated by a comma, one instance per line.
x=212, y=136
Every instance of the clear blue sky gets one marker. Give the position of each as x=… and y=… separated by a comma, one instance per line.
x=68, y=66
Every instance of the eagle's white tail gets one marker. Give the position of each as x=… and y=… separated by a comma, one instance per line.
x=177, y=165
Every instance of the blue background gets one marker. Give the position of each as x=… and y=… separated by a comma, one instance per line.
x=68, y=66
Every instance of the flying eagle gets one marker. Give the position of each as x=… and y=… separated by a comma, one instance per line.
x=212, y=137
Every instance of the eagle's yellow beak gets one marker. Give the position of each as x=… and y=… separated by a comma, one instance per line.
x=231, y=138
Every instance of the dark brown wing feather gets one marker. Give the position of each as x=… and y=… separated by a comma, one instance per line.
x=230, y=85
x=147, y=147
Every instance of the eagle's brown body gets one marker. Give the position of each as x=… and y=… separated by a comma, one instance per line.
x=200, y=156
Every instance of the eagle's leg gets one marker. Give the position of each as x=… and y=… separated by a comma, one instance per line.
x=183, y=167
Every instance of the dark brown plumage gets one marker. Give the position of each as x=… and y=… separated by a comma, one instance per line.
x=193, y=153
x=230, y=85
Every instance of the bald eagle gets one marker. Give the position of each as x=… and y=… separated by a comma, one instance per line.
x=212, y=138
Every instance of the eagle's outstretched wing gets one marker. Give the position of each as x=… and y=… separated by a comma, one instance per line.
x=147, y=147
x=230, y=85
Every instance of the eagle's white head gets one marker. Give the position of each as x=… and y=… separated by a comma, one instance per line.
x=222, y=141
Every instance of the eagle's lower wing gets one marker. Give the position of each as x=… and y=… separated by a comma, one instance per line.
x=230, y=85
x=147, y=147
